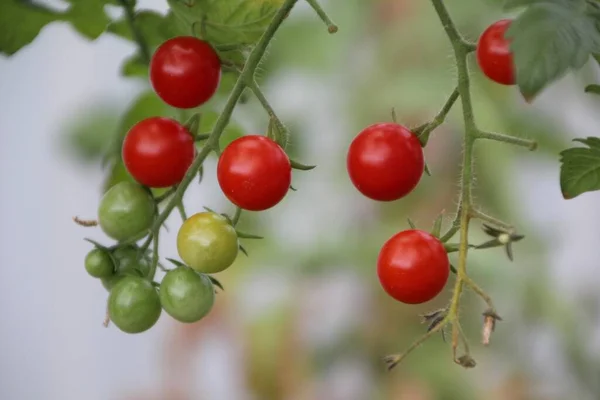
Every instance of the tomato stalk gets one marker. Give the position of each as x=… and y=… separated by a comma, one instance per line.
x=129, y=7
x=247, y=76
x=466, y=210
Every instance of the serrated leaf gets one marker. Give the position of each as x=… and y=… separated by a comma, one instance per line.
x=580, y=168
x=548, y=39
x=21, y=22
x=227, y=22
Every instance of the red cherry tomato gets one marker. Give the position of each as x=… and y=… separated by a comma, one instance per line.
x=385, y=161
x=493, y=54
x=157, y=152
x=254, y=172
x=185, y=72
x=413, y=266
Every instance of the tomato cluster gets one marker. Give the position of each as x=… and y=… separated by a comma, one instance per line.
x=254, y=173
x=385, y=162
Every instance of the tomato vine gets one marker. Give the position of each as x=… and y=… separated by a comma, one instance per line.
x=385, y=161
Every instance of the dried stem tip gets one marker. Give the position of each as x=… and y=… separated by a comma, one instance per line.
x=85, y=222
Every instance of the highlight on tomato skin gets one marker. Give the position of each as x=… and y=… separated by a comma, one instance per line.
x=385, y=161
x=413, y=266
x=494, y=57
x=254, y=173
x=185, y=72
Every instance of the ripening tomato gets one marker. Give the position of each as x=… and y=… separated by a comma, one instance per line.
x=157, y=152
x=413, y=266
x=185, y=72
x=207, y=242
x=126, y=210
x=254, y=172
x=186, y=295
x=134, y=305
x=494, y=55
x=385, y=161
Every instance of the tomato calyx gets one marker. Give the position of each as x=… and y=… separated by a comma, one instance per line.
x=192, y=125
x=500, y=238
x=301, y=167
x=433, y=319
x=180, y=264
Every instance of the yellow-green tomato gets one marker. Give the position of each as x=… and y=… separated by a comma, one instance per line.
x=134, y=305
x=186, y=295
x=125, y=211
x=207, y=242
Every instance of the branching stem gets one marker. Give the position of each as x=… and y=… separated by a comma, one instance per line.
x=466, y=210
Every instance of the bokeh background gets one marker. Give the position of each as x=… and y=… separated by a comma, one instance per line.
x=304, y=317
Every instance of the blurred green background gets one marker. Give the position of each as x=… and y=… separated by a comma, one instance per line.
x=304, y=316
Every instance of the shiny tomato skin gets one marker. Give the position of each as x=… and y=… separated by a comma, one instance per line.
x=157, y=152
x=125, y=211
x=254, y=172
x=413, y=266
x=185, y=72
x=134, y=305
x=207, y=242
x=186, y=295
x=494, y=55
x=385, y=161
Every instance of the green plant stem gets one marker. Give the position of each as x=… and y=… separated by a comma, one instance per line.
x=165, y=195
x=281, y=132
x=331, y=27
x=236, y=216
x=461, y=223
x=182, y=212
x=476, y=214
x=129, y=7
x=154, y=263
x=247, y=75
x=470, y=132
x=439, y=119
x=500, y=137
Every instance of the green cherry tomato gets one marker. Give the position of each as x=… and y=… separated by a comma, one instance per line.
x=98, y=264
x=127, y=264
x=134, y=305
x=186, y=295
x=207, y=242
x=125, y=211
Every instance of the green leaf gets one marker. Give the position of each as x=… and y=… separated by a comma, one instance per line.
x=594, y=89
x=20, y=23
x=153, y=26
x=580, y=169
x=88, y=17
x=233, y=22
x=550, y=38
x=134, y=66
